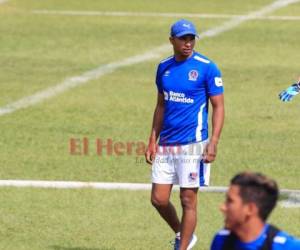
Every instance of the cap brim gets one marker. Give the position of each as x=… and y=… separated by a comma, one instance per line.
x=184, y=33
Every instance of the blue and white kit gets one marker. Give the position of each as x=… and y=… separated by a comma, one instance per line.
x=282, y=241
x=186, y=86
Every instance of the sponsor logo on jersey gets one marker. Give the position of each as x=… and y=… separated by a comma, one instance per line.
x=177, y=97
x=193, y=176
x=218, y=81
x=166, y=95
x=193, y=75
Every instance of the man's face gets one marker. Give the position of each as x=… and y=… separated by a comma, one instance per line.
x=183, y=46
x=235, y=211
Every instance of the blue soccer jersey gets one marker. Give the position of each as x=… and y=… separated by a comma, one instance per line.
x=282, y=241
x=186, y=86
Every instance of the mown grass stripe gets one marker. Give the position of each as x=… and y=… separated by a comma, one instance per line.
x=75, y=81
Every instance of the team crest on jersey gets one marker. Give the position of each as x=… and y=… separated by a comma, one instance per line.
x=193, y=75
x=193, y=176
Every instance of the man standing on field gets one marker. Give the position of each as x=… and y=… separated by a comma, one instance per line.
x=185, y=83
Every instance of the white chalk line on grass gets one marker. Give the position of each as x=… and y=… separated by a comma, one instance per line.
x=153, y=14
x=109, y=186
x=292, y=201
x=75, y=81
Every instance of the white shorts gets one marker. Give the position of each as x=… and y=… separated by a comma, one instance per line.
x=181, y=164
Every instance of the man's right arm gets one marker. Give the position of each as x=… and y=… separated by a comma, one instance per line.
x=156, y=128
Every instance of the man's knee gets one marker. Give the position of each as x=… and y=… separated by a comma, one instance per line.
x=158, y=201
x=188, y=201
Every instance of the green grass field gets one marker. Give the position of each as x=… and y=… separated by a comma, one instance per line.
x=258, y=59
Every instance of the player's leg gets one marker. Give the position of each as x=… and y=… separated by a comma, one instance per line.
x=188, y=171
x=163, y=178
x=160, y=199
x=188, y=197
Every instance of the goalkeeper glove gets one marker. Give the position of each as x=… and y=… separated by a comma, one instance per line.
x=290, y=92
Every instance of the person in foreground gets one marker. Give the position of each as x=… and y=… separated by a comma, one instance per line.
x=289, y=93
x=249, y=201
x=186, y=82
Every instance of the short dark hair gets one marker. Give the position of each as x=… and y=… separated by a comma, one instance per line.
x=259, y=189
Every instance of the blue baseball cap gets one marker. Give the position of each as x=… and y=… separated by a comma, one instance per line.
x=183, y=27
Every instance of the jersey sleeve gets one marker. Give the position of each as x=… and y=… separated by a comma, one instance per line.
x=158, y=80
x=214, y=81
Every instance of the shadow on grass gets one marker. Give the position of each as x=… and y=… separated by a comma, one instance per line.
x=79, y=248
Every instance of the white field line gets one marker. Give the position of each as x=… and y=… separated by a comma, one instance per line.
x=3, y=1
x=292, y=202
x=110, y=186
x=75, y=81
x=153, y=14
x=93, y=185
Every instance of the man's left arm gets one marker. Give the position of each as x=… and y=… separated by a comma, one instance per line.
x=218, y=113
